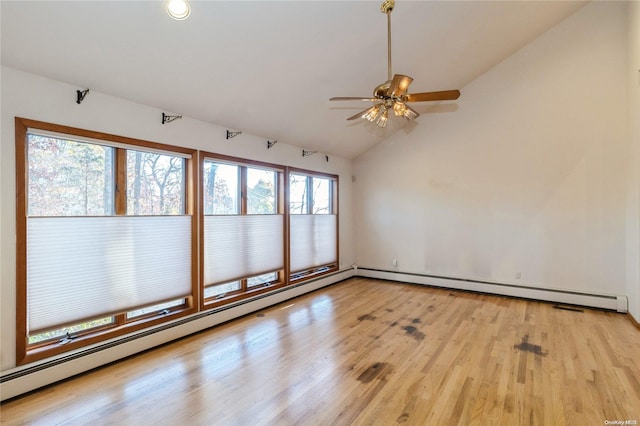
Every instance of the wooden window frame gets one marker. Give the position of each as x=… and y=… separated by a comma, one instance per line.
x=193, y=196
x=26, y=352
x=301, y=276
x=244, y=291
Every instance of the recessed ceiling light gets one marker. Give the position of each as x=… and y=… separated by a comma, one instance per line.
x=178, y=9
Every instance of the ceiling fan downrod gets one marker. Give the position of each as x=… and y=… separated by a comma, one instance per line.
x=392, y=94
x=386, y=8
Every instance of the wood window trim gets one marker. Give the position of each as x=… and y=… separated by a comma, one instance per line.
x=244, y=292
x=330, y=267
x=313, y=273
x=26, y=353
x=239, y=295
x=99, y=335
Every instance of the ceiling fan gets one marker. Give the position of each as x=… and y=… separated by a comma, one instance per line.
x=392, y=94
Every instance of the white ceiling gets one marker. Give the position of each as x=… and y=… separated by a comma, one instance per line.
x=266, y=67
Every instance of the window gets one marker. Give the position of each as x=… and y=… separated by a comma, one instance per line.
x=105, y=230
x=313, y=228
x=107, y=233
x=243, y=228
x=69, y=178
x=310, y=195
x=155, y=183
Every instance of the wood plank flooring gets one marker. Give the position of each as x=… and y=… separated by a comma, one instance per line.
x=368, y=352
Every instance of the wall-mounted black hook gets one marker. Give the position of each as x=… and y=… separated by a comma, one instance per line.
x=306, y=153
x=270, y=144
x=231, y=134
x=169, y=118
x=80, y=95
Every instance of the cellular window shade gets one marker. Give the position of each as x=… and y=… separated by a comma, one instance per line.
x=313, y=240
x=242, y=246
x=80, y=268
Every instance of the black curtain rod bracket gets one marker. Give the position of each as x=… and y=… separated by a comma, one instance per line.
x=231, y=134
x=80, y=95
x=169, y=118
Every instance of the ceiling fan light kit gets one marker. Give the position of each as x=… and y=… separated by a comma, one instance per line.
x=392, y=94
x=372, y=113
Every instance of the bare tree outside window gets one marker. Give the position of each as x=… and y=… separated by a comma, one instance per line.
x=69, y=178
x=321, y=196
x=156, y=184
x=220, y=188
x=297, y=194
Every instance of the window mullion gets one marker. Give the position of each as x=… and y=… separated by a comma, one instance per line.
x=284, y=208
x=282, y=188
x=189, y=185
x=243, y=211
x=309, y=195
x=120, y=319
x=333, y=197
x=121, y=182
x=243, y=190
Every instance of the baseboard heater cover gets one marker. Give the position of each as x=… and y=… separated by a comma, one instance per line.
x=20, y=380
x=603, y=301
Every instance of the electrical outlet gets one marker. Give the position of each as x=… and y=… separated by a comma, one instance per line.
x=394, y=262
x=518, y=275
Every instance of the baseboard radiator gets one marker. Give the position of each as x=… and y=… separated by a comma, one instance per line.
x=603, y=301
x=20, y=380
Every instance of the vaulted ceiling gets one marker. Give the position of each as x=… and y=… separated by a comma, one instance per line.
x=269, y=67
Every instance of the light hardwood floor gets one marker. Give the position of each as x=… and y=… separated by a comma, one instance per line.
x=373, y=353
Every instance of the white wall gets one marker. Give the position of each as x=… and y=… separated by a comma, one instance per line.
x=526, y=176
x=29, y=96
x=536, y=172
x=633, y=185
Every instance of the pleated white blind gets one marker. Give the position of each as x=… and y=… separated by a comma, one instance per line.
x=84, y=267
x=312, y=240
x=242, y=246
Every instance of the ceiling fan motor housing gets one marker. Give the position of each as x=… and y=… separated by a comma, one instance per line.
x=382, y=90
